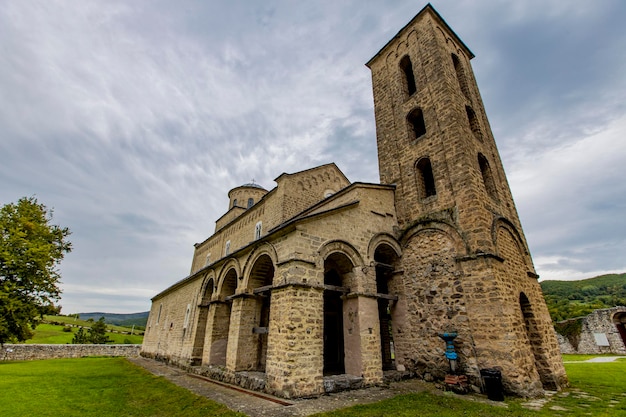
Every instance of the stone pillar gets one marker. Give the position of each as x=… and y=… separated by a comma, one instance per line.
x=216, y=339
x=295, y=341
x=362, y=339
x=242, y=342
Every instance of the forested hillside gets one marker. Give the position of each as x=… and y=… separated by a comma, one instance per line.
x=569, y=299
x=136, y=319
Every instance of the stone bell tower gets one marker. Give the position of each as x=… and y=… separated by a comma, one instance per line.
x=465, y=265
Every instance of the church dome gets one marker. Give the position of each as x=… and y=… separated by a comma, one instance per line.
x=246, y=195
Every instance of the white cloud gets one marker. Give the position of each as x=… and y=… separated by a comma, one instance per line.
x=134, y=119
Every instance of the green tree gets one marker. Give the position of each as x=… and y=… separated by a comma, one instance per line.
x=80, y=337
x=30, y=249
x=97, y=333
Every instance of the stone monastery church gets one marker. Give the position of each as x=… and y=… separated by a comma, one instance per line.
x=321, y=280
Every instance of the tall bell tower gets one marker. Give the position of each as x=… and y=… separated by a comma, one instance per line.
x=465, y=265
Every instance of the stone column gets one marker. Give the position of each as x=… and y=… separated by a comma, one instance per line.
x=242, y=342
x=362, y=338
x=216, y=337
x=295, y=341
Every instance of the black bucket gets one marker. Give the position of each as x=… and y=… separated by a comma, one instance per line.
x=493, y=383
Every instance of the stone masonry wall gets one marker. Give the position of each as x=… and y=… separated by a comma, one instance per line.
x=18, y=352
x=598, y=322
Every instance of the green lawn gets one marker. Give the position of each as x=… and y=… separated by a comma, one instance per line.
x=95, y=387
x=114, y=386
x=597, y=389
x=51, y=333
x=54, y=334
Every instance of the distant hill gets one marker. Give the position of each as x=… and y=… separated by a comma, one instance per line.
x=128, y=320
x=569, y=299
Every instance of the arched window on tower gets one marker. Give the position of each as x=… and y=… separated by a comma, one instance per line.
x=250, y=202
x=460, y=76
x=485, y=171
x=473, y=122
x=409, y=78
x=416, y=122
x=425, y=178
x=235, y=202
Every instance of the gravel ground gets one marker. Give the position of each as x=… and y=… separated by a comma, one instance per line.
x=253, y=406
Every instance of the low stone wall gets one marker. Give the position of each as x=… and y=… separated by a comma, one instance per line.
x=31, y=352
x=599, y=333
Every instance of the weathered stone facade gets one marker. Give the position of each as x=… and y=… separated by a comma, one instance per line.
x=321, y=277
x=602, y=331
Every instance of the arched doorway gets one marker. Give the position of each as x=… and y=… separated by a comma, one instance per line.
x=385, y=258
x=221, y=323
x=261, y=278
x=536, y=343
x=336, y=268
x=619, y=319
x=198, y=342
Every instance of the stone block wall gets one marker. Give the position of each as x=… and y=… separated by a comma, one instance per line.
x=604, y=322
x=19, y=352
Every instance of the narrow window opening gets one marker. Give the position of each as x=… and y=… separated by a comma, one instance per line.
x=250, y=202
x=227, y=249
x=258, y=229
x=473, y=122
x=235, y=202
x=409, y=78
x=426, y=179
x=159, y=315
x=187, y=314
x=416, y=120
x=460, y=76
x=485, y=170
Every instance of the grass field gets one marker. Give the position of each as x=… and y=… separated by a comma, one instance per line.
x=114, y=386
x=597, y=389
x=95, y=387
x=54, y=334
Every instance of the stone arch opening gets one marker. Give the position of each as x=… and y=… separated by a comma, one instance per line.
x=201, y=327
x=221, y=322
x=409, y=78
x=619, y=319
x=337, y=277
x=425, y=178
x=260, y=282
x=460, y=75
x=485, y=171
x=385, y=259
x=533, y=332
x=473, y=122
x=417, y=124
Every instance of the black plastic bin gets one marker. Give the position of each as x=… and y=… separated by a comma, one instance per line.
x=493, y=383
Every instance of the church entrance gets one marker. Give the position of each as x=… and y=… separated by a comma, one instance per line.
x=261, y=278
x=385, y=258
x=336, y=268
x=333, y=333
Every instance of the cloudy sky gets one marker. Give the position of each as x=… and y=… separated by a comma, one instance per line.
x=133, y=119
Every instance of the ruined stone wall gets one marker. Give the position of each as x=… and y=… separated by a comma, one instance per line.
x=600, y=322
x=19, y=352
